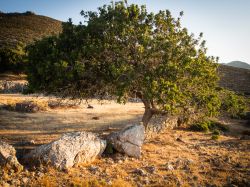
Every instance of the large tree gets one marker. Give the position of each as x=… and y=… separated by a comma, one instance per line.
x=123, y=50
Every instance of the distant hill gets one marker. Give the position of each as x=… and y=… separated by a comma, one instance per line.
x=238, y=64
x=26, y=27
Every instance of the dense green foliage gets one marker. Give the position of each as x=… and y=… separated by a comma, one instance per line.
x=12, y=59
x=206, y=126
x=234, y=105
x=123, y=50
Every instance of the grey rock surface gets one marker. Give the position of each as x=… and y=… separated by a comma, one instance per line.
x=128, y=140
x=71, y=149
x=8, y=157
x=12, y=86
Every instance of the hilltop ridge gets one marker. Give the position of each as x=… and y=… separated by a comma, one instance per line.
x=238, y=64
x=25, y=28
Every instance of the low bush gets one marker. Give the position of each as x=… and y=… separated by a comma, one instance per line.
x=206, y=126
x=55, y=104
x=28, y=13
x=203, y=126
x=216, y=132
x=13, y=59
x=215, y=137
x=26, y=106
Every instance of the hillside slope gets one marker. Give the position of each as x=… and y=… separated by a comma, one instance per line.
x=239, y=64
x=236, y=79
x=25, y=28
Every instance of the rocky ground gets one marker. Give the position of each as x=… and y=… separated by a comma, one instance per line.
x=176, y=157
x=172, y=158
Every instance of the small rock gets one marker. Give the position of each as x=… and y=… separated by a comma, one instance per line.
x=39, y=174
x=180, y=140
x=25, y=180
x=110, y=161
x=140, y=172
x=227, y=159
x=151, y=169
x=32, y=142
x=186, y=167
x=190, y=161
x=146, y=181
x=169, y=167
x=11, y=171
x=93, y=169
x=109, y=182
x=32, y=174
x=120, y=162
x=90, y=107
x=95, y=118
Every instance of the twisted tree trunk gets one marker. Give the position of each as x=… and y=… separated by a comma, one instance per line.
x=150, y=109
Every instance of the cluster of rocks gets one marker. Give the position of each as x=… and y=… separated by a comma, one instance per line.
x=24, y=106
x=12, y=86
x=75, y=148
x=27, y=106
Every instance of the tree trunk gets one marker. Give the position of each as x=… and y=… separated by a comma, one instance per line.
x=150, y=109
x=146, y=117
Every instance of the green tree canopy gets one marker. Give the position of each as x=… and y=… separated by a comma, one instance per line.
x=123, y=50
x=12, y=59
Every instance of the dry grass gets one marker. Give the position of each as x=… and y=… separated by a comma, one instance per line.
x=13, y=77
x=45, y=126
x=197, y=160
x=41, y=102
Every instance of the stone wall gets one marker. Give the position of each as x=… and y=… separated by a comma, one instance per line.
x=236, y=79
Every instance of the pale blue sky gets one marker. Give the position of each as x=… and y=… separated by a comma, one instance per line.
x=225, y=23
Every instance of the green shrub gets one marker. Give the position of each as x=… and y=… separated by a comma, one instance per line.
x=215, y=137
x=233, y=104
x=12, y=59
x=28, y=13
x=206, y=126
x=214, y=125
x=203, y=126
x=216, y=132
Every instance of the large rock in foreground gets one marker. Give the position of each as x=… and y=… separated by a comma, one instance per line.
x=8, y=157
x=129, y=140
x=71, y=149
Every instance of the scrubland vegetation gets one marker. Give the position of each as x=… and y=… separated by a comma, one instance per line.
x=123, y=52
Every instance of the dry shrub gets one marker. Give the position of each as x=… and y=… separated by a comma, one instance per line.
x=25, y=105
x=35, y=105
x=58, y=104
